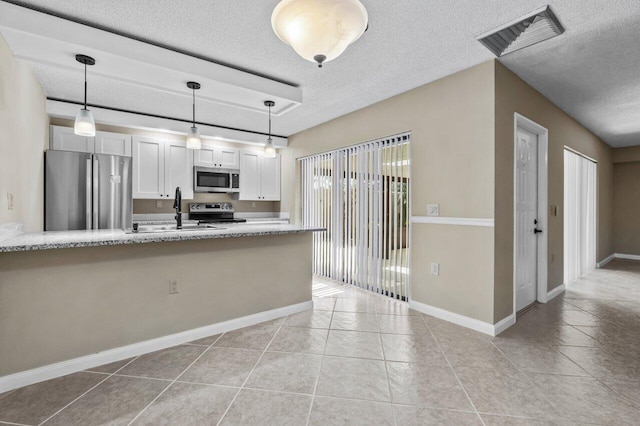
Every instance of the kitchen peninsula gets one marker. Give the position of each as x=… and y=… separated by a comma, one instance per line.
x=93, y=297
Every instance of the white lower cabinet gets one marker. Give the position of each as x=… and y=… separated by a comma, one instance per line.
x=159, y=166
x=259, y=177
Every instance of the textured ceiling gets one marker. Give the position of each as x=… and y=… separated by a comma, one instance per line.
x=590, y=71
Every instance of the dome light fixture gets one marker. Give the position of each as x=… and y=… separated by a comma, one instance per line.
x=84, y=124
x=319, y=30
x=193, y=135
x=269, y=147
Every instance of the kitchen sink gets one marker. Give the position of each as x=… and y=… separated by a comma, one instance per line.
x=150, y=229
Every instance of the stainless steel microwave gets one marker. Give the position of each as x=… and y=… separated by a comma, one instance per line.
x=216, y=180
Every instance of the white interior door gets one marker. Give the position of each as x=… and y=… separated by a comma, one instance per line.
x=579, y=216
x=526, y=218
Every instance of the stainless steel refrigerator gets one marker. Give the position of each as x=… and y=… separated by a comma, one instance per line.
x=87, y=191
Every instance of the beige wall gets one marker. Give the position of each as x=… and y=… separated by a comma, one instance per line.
x=626, y=207
x=514, y=95
x=626, y=154
x=24, y=134
x=56, y=305
x=451, y=121
x=166, y=206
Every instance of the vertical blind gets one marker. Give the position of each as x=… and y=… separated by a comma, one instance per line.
x=579, y=216
x=360, y=194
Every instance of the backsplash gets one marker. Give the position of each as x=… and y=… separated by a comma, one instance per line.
x=149, y=206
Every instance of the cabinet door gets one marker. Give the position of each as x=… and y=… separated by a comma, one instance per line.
x=250, y=175
x=113, y=144
x=148, y=168
x=228, y=158
x=178, y=169
x=205, y=156
x=270, y=178
x=63, y=139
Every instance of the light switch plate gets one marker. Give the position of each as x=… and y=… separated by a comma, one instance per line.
x=433, y=209
x=435, y=268
x=9, y=200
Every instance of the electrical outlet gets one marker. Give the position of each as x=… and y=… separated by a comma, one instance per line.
x=158, y=204
x=253, y=204
x=435, y=268
x=553, y=257
x=9, y=200
x=433, y=209
x=173, y=287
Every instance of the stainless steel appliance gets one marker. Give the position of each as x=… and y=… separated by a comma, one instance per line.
x=216, y=180
x=213, y=213
x=87, y=191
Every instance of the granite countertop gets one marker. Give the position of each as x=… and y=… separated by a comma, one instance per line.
x=92, y=238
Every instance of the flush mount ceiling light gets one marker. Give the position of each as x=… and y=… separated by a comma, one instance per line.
x=193, y=136
x=319, y=30
x=85, y=125
x=269, y=148
x=526, y=31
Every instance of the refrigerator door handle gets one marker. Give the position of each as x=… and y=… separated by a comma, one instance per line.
x=96, y=193
x=88, y=202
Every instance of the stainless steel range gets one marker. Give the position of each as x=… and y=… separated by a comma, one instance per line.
x=213, y=213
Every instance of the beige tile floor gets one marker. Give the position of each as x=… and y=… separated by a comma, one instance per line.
x=362, y=359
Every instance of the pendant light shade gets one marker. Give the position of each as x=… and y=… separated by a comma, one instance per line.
x=193, y=135
x=85, y=124
x=319, y=30
x=269, y=147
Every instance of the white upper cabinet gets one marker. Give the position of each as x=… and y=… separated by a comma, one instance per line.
x=259, y=177
x=270, y=178
x=178, y=162
x=217, y=157
x=63, y=139
x=113, y=144
x=160, y=166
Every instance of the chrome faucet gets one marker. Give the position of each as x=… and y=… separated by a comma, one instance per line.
x=177, y=202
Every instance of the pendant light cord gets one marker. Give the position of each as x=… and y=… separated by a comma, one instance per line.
x=269, y=121
x=85, y=85
x=194, y=107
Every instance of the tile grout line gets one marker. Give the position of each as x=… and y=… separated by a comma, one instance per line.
x=89, y=390
x=324, y=350
x=455, y=374
x=174, y=380
x=386, y=372
x=252, y=370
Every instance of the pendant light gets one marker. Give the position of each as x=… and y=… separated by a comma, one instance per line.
x=269, y=148
x=319, y=30
x=85, y=125
x=193, y=136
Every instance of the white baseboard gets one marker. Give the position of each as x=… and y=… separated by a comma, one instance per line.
x=555, y=292
x=627, y=256
x=63, y=368
x=471, y=323
x=604, y=262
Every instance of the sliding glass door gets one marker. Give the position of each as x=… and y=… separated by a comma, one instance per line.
x=580, y=174
x=360, y=194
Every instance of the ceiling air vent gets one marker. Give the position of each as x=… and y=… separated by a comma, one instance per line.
x=533, y=28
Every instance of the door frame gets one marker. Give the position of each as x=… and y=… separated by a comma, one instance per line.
x=520, y=121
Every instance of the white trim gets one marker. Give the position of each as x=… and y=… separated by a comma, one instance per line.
x=471, y=323
x=556, y=291
x=520, y=121
x=605, y=261
x=627, y=256
x=51, y=371
x=503, y=324
x=461, y=221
